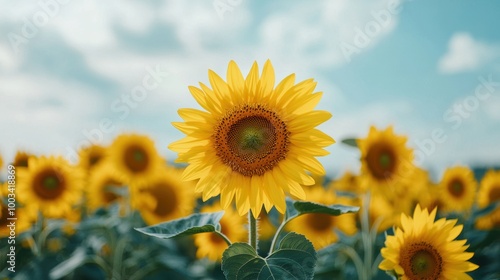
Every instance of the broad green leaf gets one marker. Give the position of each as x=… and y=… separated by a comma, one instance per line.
x=306, y=207
x=294, y=259
x=192, y=224
x=350, y=142
x=297, y=208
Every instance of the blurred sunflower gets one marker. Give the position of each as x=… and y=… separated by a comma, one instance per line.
x=90, y=156
x=101, y=189
x=382, y=214
x=256, y=141
x=134, y=157
x=266, y=227
x=50, y=185
x=163, y=197
x=21, y=159
x=23, y=218
x=424, y=249
x=210, y=244
x=489, y=192
x=1, y=161
x=348, y=182
x=320, y=228
x=386, y=162
x=458, y=189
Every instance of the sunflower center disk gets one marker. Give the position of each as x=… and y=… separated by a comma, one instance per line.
x=381, y=161
x=456, y=188
x=3, y=215
x=320, y=222
x=48, y=184
x=166, y=197
x=136, y=159
x=251, y=140
x=110, y=191
x=494, y=194
x=422, y=261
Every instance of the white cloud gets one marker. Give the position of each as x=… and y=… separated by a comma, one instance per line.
x=44, y=115
x=466, y=54
x=314, y=33
x=8, y=62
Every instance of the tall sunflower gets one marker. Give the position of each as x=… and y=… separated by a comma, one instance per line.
x=458, y=189
x=164, y=196
x=424, y=249
x=210, y=244
x=134, y=157
x=255, y=141
x=489, y=192
x=320, y=228
x=50, y=185
x=386, y=162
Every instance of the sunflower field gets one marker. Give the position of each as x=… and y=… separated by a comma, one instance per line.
x=246, y=198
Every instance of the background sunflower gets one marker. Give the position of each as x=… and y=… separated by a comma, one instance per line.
x=386, y=163
x=458, y=189
x=211, y=245
x=163, y=197
x=50, y=185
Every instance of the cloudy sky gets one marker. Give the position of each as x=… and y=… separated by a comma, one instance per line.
x=78, y=71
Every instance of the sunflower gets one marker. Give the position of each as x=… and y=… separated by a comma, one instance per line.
x=489, y=221
x=210, y=244
x=489, y=192
x=348, y=182
x=1, y=161
x=458, y=189
x=320, y=228
x=50, y=185
x=164, y=196
x=134, y=157
x=90, y=156
x=21, y=159
x=23, y=219
x=424, y=249
x=382, y=214
x=266, y=228
x=386, y=162
x=254, y=141
x=99, y=191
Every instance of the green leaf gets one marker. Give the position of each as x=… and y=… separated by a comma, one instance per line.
x=306, y=207
x=350, y=142
x=192, y=224
x=294, y=259
x=297, y=208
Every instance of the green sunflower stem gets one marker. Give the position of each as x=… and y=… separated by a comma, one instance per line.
x=252, y=238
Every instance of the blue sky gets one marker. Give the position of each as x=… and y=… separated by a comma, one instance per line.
x=70, y=70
